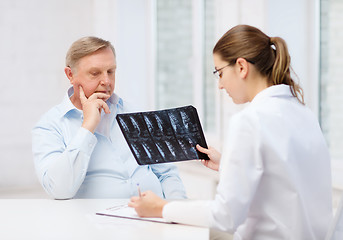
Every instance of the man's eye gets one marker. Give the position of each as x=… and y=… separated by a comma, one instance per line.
x=95, y=74
x=220, y=74
x=110, y=71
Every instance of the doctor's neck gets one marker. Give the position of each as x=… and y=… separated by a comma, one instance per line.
x=256, y=84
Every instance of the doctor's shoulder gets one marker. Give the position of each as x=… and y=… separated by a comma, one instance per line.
x=247, y=120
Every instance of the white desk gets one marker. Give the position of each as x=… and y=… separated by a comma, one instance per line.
x=75, y=219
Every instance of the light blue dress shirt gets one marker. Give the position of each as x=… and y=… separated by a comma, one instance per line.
x=71, y=162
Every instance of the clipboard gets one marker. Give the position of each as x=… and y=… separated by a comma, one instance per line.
x=163, y=136
x=124, y=211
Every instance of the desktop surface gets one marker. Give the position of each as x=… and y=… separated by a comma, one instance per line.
x=76, y=219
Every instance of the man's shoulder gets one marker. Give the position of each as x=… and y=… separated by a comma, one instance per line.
x=126, y=106
x=53, y=115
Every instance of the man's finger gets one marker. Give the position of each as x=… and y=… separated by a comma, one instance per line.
x=103, y=105
x=82, y=94
x=102, y=96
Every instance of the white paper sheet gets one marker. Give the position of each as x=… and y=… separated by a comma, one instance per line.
x=124, y=211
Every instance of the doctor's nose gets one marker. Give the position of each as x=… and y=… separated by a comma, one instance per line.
x=220, y=86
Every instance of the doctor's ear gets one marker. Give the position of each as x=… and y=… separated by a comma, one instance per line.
x=243, y=67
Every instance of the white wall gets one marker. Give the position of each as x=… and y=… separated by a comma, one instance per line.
x=132, y=26
x=35, y=36
x=297, y=21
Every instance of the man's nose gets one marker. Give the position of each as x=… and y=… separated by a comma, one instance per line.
x=106, y=80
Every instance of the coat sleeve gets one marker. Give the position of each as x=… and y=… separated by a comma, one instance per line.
x=241, y=169
x=195, y=212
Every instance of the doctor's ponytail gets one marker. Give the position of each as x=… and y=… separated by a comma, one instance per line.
x=269, y=55
x=281, y=68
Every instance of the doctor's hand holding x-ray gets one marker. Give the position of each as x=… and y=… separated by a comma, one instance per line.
x=214, y=156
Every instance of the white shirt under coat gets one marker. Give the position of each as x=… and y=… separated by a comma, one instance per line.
x=275, y=178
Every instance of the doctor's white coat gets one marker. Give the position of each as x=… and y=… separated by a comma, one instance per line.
x=275, y=178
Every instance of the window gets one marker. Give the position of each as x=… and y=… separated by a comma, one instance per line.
x=331, y=69
x=183, y=65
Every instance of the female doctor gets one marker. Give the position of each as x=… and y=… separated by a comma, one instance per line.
x=275, y=178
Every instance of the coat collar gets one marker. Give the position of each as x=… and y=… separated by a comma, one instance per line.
x=278, y=91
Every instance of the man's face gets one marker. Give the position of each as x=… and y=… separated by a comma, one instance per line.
x=95, y=73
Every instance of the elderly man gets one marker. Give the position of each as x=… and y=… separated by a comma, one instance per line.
x=79, y=150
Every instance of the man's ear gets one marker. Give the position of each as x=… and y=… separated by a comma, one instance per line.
x=69, y=74
x=243, y=67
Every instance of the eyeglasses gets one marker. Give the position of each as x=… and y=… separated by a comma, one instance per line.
x=218, y=74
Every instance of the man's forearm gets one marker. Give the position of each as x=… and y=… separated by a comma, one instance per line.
x=170, y=180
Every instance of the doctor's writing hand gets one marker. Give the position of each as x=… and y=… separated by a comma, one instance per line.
x=91, y=108
x=214, y=156
x=148, y=205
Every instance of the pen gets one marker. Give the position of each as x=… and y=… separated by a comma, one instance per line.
x=139, y=190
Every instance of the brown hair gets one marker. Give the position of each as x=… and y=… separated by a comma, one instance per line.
x=268, y=54
x=85, y=46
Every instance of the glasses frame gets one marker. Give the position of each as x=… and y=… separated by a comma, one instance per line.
x=217, y=74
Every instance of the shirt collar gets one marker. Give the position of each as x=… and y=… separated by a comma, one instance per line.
x=67, y=106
